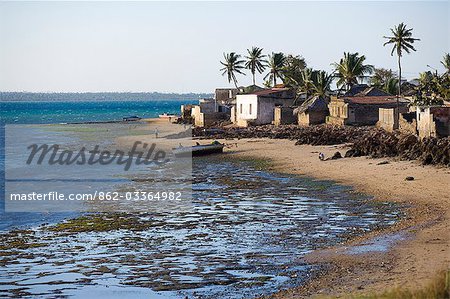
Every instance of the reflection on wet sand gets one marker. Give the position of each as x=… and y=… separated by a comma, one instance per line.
x=243, y=232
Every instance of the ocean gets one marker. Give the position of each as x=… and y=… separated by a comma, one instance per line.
x=48, y=112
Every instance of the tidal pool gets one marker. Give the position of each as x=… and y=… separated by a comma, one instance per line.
x=242, y=234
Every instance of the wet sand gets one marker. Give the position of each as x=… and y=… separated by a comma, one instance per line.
x=243, y=232
x=409, y=254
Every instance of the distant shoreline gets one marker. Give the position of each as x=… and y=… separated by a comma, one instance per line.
x=98, y=96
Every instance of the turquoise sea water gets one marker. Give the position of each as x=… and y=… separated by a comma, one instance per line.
x=41, y=112
x=49, y=111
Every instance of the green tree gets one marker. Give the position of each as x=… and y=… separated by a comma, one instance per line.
x=276, y=64
x=444, y=86
x=401, y=40
x=446, y=62
x=391, y=86
x=292, y=70
x=255, y=61
x=351, y=68
x=381, y=76
x=306, y=84
x=431, y=89
x=321, y=82
x=232, y=65
x=425, y=77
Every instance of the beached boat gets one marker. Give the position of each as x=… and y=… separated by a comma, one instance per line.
x=131, y=118
x=198, y=150
x=166, y=115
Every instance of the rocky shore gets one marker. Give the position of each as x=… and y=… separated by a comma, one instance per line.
x=364, y=141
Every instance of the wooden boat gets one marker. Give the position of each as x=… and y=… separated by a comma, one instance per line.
x=198, y=150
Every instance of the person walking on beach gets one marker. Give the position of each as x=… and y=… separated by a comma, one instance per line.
x=156, y=133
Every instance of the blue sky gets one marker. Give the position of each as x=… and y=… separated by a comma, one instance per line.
x=177, y=46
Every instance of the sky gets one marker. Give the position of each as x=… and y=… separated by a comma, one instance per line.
x=177, y=46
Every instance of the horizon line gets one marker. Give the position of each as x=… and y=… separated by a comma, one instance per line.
x=161, y=92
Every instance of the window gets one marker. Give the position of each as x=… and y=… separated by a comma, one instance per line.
x=241, y=108
x=250, y=109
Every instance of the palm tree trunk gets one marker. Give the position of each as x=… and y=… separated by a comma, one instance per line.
x=399, y=86
x=254, y=78
x=399, y=77
x=274, y=80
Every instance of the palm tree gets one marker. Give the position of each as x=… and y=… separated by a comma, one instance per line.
x=306, y=83
x=276, y=63
x=255, y=61
x=402, y=40
x=321, y=82
x=351, y=68
x=446, y=63
x=232, y=65
x=391, y=85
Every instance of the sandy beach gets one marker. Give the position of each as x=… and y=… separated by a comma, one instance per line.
x=411, y=261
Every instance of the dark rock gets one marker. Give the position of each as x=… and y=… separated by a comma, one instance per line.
x=366, y=141
x=383, y=163
x=351, y=153
x=409, y=178
x=337, y=155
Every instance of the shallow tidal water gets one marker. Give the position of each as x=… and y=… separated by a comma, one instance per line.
x=243, y=234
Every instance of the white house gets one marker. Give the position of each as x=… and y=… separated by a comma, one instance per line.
x=258, y=108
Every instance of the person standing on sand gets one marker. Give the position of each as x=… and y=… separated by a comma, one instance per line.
x=156, y=133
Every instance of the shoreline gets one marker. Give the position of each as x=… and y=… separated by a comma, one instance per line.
x=423, y=249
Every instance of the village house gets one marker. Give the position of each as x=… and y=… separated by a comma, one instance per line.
x=433, y=121
x=313, y=111
x=207, y=112
x=257, y=108
x=360, y=106
x=225, y=96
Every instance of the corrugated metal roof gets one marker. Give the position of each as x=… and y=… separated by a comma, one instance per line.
x=270, y=91
x=374, y=100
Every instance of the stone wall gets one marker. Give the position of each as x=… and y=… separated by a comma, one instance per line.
x=390, y=120
x=433, y=121
x=387, y=119
x=284, y=116
x=208, y=119
x=186, y=111
x=408, y=123
x=312, y=118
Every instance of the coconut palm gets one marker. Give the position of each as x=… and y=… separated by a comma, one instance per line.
x=306, y=83
x=446, y=63
x=255, y=61
x=401, y=40
x=351, y=68
x=276, y=63
x=232, y=65
x=321, y=82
